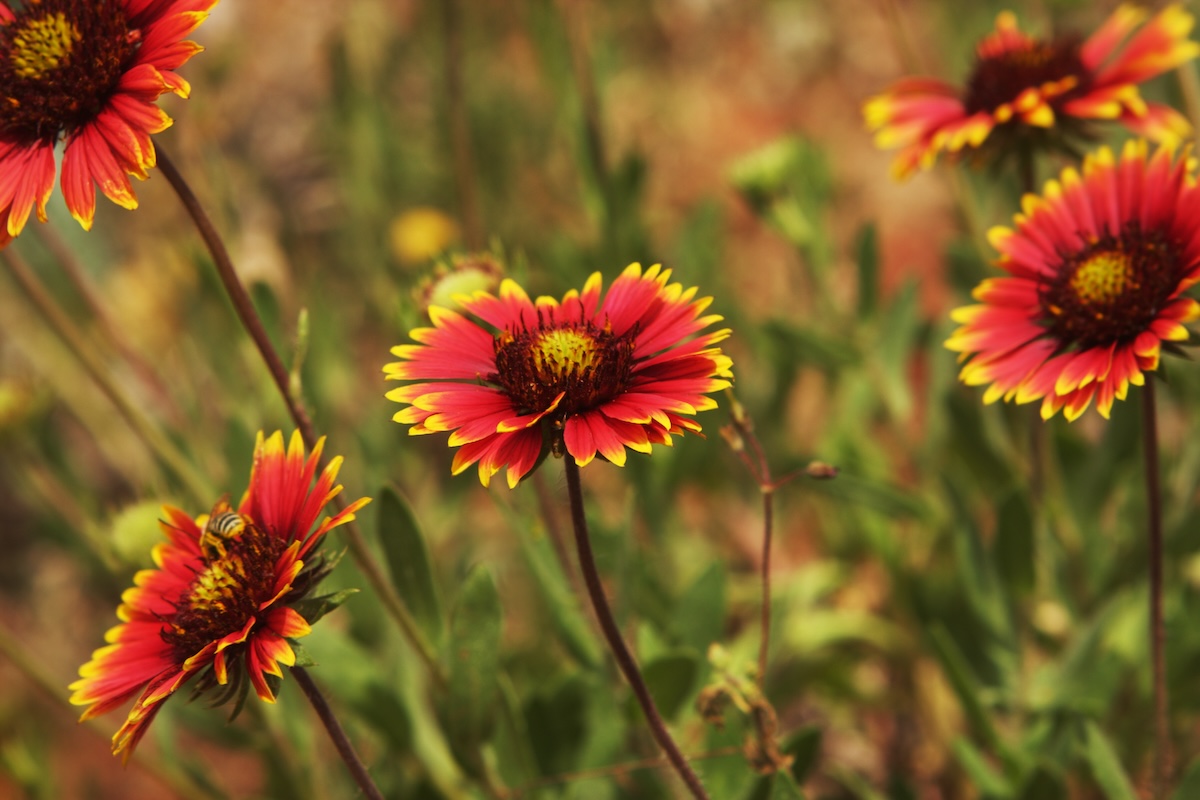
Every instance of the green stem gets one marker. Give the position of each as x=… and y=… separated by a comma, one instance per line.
x=93, y=364
x=612, y=634
x=252, y=323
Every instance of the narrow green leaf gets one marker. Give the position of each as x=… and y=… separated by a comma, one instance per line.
x=992, y=784
x=868, y=269
x=560, y=603
x=474, y=658
x=965, y=686
x=313, y=608
x=1106, y=767
x=408, y=562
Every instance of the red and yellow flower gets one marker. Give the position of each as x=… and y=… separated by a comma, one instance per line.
x=513, y=378
x=217, y=605
x=1032, y=92
x=1097, y=267
x=89, y=72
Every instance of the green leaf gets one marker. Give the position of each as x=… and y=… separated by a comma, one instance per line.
x=560, y=603
x=313, y=608
x=804, y=746
x=408, y=562
x=670, y=680
x=474, y=659
x=700, y=613
x=1106, y=767
x=303, y=659
x=784, y=788
x=1043, y=784
x=557, y=722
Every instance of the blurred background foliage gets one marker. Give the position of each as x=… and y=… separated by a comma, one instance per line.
x=959, y=614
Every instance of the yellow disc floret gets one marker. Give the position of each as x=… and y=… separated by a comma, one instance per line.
x=1102, y=279
x=562, y=352
x=42, y=45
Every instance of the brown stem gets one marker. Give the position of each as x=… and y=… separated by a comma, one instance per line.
x=345, y=749
x=236, y=291
x=625, y=660
x=254, y=327
x=764, y=646
x=460, y=132
x=1158, y=634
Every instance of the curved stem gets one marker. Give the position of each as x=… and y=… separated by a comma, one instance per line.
x=629, y=667
x=345, y=749
x=1158, y=634
x=253, y=324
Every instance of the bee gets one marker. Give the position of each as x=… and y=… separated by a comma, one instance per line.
x=222, y=526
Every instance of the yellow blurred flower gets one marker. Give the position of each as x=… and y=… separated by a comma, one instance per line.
x=419, y=234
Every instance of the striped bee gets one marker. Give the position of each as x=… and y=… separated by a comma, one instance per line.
x=222, y=526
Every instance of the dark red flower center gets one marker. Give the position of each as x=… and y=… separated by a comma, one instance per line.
x=588, y=365
x=1113, y=289
x=60, y=62
x=1000, y=77
x=237, y=576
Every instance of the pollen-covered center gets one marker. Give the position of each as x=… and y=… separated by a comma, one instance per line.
x=588, y=365
x=1113, y=289
x=42, y=45
x=60, y=62
x=226, y=591
x=1000, y=77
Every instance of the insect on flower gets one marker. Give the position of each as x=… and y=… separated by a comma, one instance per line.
x=223, y=525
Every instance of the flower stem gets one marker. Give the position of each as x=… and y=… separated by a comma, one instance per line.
x=1158, y=634
x=254, y=327
x=345, y=749
x=764, y=646
x=629, y=667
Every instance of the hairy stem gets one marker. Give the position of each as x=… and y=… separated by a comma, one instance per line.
x=625, y=660
x=345, y=749
x=253, y=324
x=1158, y=634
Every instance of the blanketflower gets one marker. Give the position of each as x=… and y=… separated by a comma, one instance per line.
x=217, y=605
x=513, y=378
x=1026, y=92
x=1097, y=267
x=89, y=72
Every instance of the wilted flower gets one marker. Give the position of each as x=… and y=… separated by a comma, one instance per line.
x=1027, y=92
x=89, y=73
x=218, y=604
x=514, y=378
x=1097, y=267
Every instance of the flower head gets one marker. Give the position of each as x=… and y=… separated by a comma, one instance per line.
x=89, y=72
x=1027, y=92
x=514, y=377
x=1097, y=266
x=217, y=605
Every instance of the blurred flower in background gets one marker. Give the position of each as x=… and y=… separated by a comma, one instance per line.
x=90, y=73
x=1027, y=93
x=1096, y=270
x=218, y=604
x=419, y=234
x=585, y=375
x=463, y=275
